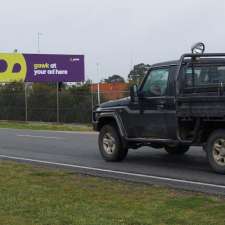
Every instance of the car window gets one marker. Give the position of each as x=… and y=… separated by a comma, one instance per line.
x=204, y=75
x=156, y=82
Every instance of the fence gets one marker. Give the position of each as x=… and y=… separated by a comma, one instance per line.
x=42, y=103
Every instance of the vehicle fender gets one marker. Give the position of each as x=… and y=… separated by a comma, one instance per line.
x=116, y=117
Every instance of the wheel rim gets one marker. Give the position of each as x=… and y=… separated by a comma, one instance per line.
x=109, y=143
x=219, y=151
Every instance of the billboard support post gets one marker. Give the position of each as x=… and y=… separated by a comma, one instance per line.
x=57, y=102
x=25, y=99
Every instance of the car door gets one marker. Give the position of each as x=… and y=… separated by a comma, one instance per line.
x=146, y=118
x=152, y=103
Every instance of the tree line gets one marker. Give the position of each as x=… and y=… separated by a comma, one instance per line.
x=75, y=102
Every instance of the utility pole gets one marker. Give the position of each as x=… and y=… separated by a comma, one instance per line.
x=99, y=97
x=38, y=41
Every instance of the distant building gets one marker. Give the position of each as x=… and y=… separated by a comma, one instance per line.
x=111, y=91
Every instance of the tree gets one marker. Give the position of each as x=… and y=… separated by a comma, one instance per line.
x=114, y=79
x=137, y=74
x=42, y=102
x=75, y=103
x=12, y=101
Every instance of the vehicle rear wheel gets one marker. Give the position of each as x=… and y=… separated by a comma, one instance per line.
x=178, y=149
x=110, y=145
x=215, y=149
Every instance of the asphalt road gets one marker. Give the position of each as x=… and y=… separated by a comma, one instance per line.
x=79, y=152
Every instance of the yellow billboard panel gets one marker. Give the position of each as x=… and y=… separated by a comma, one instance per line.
x=13, y=67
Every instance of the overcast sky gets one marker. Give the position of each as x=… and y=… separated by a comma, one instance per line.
x=114, y=33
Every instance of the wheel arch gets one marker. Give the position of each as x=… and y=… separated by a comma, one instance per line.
x=209, y=128
x=111, y=118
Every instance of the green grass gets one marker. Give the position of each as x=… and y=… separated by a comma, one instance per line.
x=31, y=195
x=45, y=126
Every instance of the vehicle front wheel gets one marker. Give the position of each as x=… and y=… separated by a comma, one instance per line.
x=110, y=145
x=178, y=149
x=215, y=149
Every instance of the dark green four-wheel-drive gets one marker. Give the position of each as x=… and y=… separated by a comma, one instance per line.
x=179, y=104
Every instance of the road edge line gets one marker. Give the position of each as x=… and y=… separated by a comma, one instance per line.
x=114, y=172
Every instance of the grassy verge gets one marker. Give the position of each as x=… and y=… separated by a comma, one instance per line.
x=40, y=196
x=45, y=126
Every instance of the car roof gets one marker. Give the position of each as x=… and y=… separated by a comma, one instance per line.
x=167, y=63
x=177, y=62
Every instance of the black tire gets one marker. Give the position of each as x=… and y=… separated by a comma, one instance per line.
x=217, y=162
x=119, y=152
x=178, y=149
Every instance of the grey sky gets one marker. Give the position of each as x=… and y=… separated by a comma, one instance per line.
x=115, y=33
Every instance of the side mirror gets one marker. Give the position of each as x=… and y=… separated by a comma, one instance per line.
x=134, y=93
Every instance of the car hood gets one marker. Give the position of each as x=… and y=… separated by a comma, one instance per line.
x=115, y=103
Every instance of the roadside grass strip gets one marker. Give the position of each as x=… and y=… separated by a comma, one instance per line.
x=35, y=195
x=45, y=126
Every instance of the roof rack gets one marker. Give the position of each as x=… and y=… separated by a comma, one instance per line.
x=193, y=57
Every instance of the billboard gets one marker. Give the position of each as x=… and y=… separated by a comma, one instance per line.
x=41, y=67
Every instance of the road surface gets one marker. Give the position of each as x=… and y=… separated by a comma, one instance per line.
x=78, y=151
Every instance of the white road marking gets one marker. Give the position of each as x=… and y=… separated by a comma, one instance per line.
x=116, y=172
x=35, y=136
x=71, y=132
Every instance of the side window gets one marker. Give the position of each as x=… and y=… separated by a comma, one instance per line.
x=156, y=83
x=199, y=76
